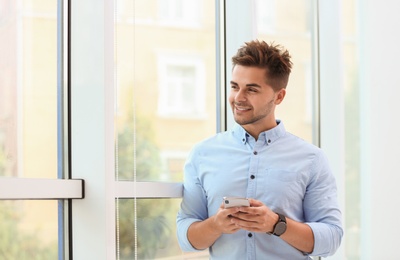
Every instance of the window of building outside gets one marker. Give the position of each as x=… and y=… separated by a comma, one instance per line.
x=266, y=16
x=180, y=13
x=28, y=124
x=181, y=86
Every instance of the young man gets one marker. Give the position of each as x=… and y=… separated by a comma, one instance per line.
x=293, y=209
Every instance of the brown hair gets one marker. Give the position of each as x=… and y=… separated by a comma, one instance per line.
x=273, y=58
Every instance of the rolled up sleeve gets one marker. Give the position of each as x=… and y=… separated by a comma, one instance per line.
x=321, y=209
x=193, y=206
x=327, y=238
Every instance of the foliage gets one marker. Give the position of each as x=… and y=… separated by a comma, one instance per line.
x=147, y=153
x=2, y=161
x=153, y=231
x=15, y=244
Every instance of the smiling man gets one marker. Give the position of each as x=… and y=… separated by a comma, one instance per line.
x=293, y=211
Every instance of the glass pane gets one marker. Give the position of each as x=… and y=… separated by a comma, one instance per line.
x=166, y=102
x=28, y=124
x=29, y=230
x=166, y=86
x=288, y=23
x=28, y=89
x=155, y=235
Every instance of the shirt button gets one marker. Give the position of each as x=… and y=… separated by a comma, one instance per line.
x=252, y=177
x=255, y=152
x=250, y=235
x=269, y=140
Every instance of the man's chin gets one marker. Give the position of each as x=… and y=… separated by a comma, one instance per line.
x=241, y=121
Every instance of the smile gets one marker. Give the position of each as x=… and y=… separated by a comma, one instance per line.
x=242, y=108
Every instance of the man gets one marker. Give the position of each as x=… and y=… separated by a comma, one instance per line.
x=293, y=209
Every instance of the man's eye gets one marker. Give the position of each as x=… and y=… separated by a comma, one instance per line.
x=233, y=86
x=252, y=90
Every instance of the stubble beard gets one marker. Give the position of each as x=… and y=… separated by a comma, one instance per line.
x=253, y=119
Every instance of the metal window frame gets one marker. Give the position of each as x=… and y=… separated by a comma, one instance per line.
x=40, y=189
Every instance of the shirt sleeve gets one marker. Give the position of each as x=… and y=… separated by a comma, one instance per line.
x=194, y=203
x=321, y=209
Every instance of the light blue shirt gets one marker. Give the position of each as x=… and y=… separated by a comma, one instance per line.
x=286, y=173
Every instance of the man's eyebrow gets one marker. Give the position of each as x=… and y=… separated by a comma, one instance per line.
x=247, y=85
x=233, y=83
x=253, y=85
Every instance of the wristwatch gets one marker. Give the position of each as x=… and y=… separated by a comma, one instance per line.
x=280, y=226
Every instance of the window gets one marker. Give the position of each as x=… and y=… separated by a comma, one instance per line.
x=166, y=102
x=266, y=16
x=31, y=135
x=180, y=13
x=181, y=87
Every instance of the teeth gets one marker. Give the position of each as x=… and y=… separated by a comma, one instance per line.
x=242, y=108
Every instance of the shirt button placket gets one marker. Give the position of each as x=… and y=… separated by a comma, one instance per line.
x=251, y=193
x=252, y=175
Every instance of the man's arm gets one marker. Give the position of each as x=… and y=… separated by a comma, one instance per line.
x=204, y=233
x=299, y=235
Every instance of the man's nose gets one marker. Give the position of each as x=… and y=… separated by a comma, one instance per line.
x=240, y=96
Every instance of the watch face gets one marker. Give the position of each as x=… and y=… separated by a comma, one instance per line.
x=280, y=228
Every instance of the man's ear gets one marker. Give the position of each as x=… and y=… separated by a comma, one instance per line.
x=280, y=95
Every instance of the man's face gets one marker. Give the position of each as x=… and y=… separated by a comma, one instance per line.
x=252, y=100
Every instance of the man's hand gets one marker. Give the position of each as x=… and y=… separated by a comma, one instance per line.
x=203, y=234
x=222, y=220
x=256, y=218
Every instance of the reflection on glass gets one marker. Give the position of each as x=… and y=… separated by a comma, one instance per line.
x=27, y=233
x=166, y=90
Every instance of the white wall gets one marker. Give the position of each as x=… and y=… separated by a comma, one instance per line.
x=379, y=57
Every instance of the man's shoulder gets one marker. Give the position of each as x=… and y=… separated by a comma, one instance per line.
x=300, y=143
x=218, y=138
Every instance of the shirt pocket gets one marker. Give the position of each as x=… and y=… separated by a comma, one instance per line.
x=282, y=189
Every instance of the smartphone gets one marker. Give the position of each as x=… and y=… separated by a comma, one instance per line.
x=230, y=202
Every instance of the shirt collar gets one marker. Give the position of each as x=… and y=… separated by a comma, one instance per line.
x=269, y=136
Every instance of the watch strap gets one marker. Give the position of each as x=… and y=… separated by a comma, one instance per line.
x=280, y=226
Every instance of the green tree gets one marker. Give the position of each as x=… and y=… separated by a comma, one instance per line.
x=17, y=245
x=2, y=161
x=137, y=135
x=153, y=231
